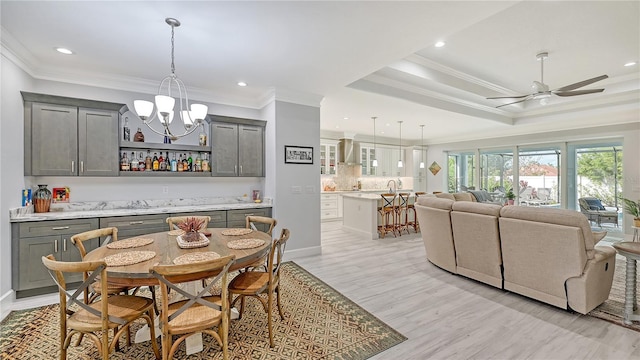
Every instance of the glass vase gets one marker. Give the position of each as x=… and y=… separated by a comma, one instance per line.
x=42, y=199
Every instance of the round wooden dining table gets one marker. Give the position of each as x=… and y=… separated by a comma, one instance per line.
x=166, y=250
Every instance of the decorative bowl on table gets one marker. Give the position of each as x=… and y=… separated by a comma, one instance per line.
x=192, y=237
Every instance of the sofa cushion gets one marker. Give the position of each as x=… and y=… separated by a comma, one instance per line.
x=478, y=208
x=435, y=202
x=554, y=216
x=463, y=196
x=446, y=196
x=594, y=204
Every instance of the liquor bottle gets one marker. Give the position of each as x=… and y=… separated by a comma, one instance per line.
x=190, y=163
x=167, y=139
x=202, y=137
x=124, y=162
x=126, y=131
x=155, y=162
x=168, y=162
x=180, y=163
x=148, y=163
x=198, y=166
x=162, y=166
x=141, y=162
x=174, y=163
x=185, y=163
x=205, y=162
x=134, y=162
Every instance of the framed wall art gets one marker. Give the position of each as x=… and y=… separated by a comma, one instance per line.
x=298, y=154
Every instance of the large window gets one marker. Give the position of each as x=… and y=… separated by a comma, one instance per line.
x=599, y=173
x=496, y=172
x=461, y=171
x=539, y=176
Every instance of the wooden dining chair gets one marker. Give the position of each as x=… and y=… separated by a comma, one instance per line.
x=115, y=312
x=256, y=283
x=173, y=221
x=94, y=291
x=250, y=220
x=197, y=313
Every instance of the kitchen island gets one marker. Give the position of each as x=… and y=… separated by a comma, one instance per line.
x=360, y=213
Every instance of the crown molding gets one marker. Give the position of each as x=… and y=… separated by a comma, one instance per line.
x=290, y=96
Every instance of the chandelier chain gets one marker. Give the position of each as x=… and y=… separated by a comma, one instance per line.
x=173, y=66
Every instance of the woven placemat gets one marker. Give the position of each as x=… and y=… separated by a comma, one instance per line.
x=129, y=258
x=176, y=232
x=196, y=257
x=244, y=244
x=129, y=243
x=236, y=232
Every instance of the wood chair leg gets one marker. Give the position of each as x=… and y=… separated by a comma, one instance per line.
x=270, y=318
x=278, y=302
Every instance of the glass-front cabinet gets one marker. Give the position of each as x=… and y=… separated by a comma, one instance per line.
x=367, y=155
x=328, y=157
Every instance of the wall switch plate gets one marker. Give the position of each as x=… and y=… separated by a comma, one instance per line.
x=296, y=189
x=309, y=189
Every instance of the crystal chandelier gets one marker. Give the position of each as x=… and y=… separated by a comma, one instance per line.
x=191, y=116
x=400, y=146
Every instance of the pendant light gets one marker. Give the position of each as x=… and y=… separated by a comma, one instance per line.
x=421, y=146
x=192, y=115
x=374, y=162
x=400, y=146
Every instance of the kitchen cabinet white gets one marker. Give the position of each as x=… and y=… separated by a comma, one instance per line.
x=367, y=155
x=328, y=157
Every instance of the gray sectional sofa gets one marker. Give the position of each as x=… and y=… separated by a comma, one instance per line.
x=543, y=253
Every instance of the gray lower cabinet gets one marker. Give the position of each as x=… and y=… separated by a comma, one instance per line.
x=130, y=226
x=70, y=137
x=236, y=218
x=237, y=147
x=33, y=240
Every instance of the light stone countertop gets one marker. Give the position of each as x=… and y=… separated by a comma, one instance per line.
x=83, y=210
x=370, y=196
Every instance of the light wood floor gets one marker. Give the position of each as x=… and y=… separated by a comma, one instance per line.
x=447, y=316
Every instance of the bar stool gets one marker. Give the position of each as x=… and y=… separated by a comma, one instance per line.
x=388, y=214
x=402, y=213
x=412, y=221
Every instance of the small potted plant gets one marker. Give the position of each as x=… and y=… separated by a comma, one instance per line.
x=510, y=196
x=632, y=208
x=191, y=228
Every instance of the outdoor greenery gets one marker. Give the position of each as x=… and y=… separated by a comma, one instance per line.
x=597, y=174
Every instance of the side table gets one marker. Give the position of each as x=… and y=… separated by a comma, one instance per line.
x=630, y=250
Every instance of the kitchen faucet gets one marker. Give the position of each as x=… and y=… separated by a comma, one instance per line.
x=395, y=186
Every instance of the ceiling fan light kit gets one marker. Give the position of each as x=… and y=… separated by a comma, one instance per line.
x=541, y=90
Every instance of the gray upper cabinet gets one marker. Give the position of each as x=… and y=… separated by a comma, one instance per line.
x=250, y=150
x=237, y=147
x=70, y=137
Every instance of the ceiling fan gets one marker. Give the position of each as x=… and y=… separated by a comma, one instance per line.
x=542, y=92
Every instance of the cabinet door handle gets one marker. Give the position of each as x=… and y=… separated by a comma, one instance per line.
x=136, y=222
x=73, y=166
x=55, y=246
x=81, y=166
x=235, y=169
x=224, y=127
x=64, y=244
x=60, y=228
x=240, y=169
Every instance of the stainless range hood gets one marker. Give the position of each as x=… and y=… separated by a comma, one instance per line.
x=347, y=152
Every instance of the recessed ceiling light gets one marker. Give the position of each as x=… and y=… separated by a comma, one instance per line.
x=242, y=83
x=64, y=51
x=345, y=118
x=381, y=132
x=440, y=44
x=387, y=124
x=631, y=63
x=337, y=126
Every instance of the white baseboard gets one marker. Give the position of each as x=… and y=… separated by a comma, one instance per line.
x=9, y=303
x=300, y=253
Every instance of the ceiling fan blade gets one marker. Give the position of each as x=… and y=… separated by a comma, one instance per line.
x=578, y=92
x=582, y=83
x=515, y=102
x=507, y=97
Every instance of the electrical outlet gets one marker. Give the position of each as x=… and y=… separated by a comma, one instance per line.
x=165, y=190
x=296, y=189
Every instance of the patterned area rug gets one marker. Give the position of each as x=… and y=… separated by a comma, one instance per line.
x=320, y=323
x=612, y=310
